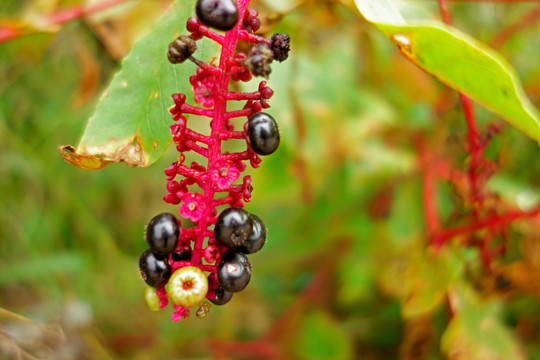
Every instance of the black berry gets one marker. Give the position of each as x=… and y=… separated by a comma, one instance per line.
x=219, y=14
x=155, y=269
x=263, y=134
x=233, y=271
x=181, y=49
x=280, y=46
x=183, y=255
x=233, y=227
x=162, y=233
x=257, y=238
x=222, y=296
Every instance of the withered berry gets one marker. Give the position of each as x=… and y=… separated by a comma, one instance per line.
x=259, y=59
x=219, y=14
x=233, y=271
x=280, y=46
x=181, y=49
x=263, y=134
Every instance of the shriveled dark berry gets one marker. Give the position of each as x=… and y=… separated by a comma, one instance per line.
x=281, y=44
x=222, y=296
x=162, y=233
x=263, y=134
x=219, y=14
x=233, y=227
x=181, y=49
x=233, y=271
x=257, y=239
x=259, y=59
x=155, y=268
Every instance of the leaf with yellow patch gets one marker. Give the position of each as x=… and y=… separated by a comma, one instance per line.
x=458, y=60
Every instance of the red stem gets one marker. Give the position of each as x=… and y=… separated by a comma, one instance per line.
x=495, y=221
x=218, y=123
x=475, y=151
x=528, y=19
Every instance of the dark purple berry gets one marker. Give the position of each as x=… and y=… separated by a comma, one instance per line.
x=162, y=233
x=222, y=296
x=257, y=239
x=181, y=49
x=263, y=134
x=233, y=227
x=155, y=269
x=219, y=14
x=233, y=271
x=280, y=46
x=183, y=255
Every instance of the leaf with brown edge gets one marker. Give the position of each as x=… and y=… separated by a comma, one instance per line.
x=131, y=121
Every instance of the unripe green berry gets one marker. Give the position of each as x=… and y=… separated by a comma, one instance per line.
x=152, y=300
x=187, y=286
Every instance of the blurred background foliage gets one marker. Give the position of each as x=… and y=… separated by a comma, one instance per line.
x=346, y=273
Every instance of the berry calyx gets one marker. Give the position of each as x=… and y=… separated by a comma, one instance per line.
x=257, y=239
x=233, y=227
x=221, y=296
x=155, y=269
x=219, y=14
x=152, y=300
x=162, y=233
x=181, y=49
x=187, y=286
x=233, y=271
x=263, y=134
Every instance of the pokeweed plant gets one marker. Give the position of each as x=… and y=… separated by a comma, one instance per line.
x=188, y=265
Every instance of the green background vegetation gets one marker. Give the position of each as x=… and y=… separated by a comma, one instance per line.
x=346, y=272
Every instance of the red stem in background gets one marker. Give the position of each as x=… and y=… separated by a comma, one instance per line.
x=444, y=11
x=474, y=151
x=59, y=17
x=429, y=174
x=528, y=19
x=491, y=222
x=494, y=223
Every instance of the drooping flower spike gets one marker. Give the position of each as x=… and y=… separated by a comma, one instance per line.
x=187, y=265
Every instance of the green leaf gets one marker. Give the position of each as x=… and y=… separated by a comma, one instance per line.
x=131, y=121
x=459, y=61
x=475, y=331
x=322, y=338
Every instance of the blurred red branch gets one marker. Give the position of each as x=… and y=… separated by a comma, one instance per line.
x=491, y=222
x=475, y=152
x=60, y=17
x=429, y=173
x=527, y=19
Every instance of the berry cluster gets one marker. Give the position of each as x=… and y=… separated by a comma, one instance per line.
x=191, y=264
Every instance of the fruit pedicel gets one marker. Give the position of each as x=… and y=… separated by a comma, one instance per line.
x=190, y=265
